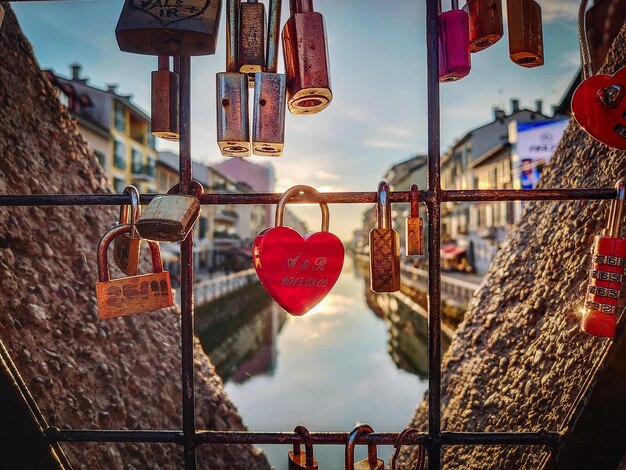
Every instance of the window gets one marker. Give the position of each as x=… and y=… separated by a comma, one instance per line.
x=137, y=160
x=119, y=154
x=102, y=158
x=151, y=167
x=150, y=139
x=119, y=184
x=120, y=117
x=204, y=227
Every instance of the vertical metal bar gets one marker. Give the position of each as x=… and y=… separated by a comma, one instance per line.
x=186, y=273
x=434, y=237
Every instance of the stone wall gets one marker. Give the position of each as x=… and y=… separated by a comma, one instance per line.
x=519, y=358
x=84, y=373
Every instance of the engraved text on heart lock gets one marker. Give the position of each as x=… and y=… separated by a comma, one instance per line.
x=297, y=271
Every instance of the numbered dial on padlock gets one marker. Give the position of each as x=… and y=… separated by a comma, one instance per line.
x=606, y=289
x=384, y=247
x=525, y=32
x=297, y=271
x=306, y=60
x=169, y=27
x=126, y=247
x=134, y=294
x=170, y=218
x=454, y=50
x=414, y=224
x=372, y=462
x=299, y=459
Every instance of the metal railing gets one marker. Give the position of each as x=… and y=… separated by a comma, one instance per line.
x=189, y=437
x=458, y=289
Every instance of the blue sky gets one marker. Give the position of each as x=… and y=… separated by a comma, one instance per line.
x=378, y=72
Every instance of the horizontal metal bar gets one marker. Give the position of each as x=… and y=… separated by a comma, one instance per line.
x=501, y=438
x=112, y=435
x=319, y=438
x=330, y=198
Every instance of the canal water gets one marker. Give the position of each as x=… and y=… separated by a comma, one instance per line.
x=356, y=357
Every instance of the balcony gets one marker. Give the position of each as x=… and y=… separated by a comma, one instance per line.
x=222, y=239
x=143, y=173
x=226, y=217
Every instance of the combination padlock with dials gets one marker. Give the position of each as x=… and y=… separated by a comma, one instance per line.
x=169, y=27
x=384, y=247
x=164, y=115
x=306, y=59
x=134, y=294
x=268, y=119
x=297, y=271
x=171, y=218
x=414, y=224
x=252, y=38
x=454, y=51
x=299, y=460
x=126, y=247
x=372, y=462
x=233, y=119
x=485, y=23
x=607, y=285
x=599, y=102
x=525, y=32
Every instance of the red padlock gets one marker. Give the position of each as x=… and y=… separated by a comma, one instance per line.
x=605, y=293
x=297, y=271
x=454, y=48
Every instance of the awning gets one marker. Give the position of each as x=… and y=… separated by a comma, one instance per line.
x=451, y=251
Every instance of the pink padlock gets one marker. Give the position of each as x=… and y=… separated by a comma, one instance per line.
x=454, y=50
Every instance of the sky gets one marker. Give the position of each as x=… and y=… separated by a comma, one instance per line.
x=378, y=115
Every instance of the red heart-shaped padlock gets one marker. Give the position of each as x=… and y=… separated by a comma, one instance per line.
x=599, y=106
x=298, y=272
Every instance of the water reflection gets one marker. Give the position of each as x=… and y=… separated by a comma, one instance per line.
x=336, y=365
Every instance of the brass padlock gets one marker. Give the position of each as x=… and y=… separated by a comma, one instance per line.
x=164, y=115
x=268, y=121
x=252, y=37
x=306, y=59
x=414, y=226
x=135, y=294
x=170, y=218
x=169, y=27
x=233, y=126
x=372, y=462
x=126, y=247
x=525, y=32
x=299, y=460
x=384, y=247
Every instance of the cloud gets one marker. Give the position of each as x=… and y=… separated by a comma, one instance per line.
x=396, y=131
x=387, y=144
x=324, y=175
x=553, y=10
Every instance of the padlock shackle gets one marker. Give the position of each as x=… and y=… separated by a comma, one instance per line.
x=399, y=442
x=300, y=6
x=454, y=4
x=383, y=206
x=618, y=205
x=308, y=444
x=273, y=36
x=232, y=34
x=357, y=432
x=415, y=200
x=104, y=275
x=196, y=187
x=307, y=191
x=129, y=214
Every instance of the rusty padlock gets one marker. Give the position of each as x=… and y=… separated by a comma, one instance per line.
x=169, y=27
x=164, y=114
x=525, y=32
x=233, y=122
x=418, y=460
x=135, y=294
x=607, y=278
x=268, y=122
x=485, y=23
x=414, y=226
x=384, y=247
x=171, y=218
x=372, y=462
x=126, y=247
x=252, y=37
x=306, y=59
x=299, y=460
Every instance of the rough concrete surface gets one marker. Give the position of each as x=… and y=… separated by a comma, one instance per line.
x=519, y=358
x=84, y=373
